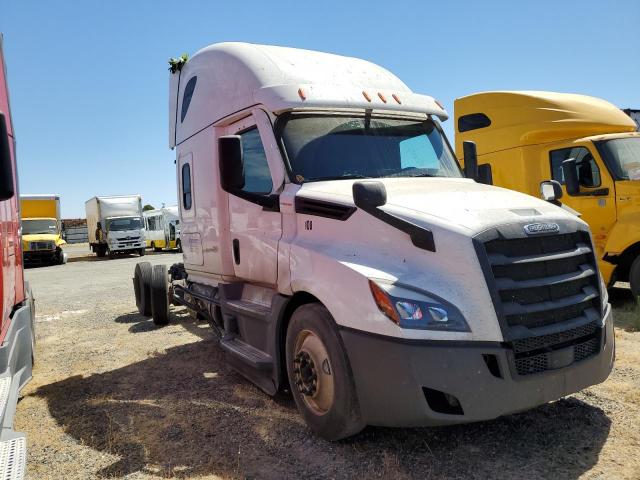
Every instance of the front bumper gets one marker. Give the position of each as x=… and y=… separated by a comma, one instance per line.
x=391, y=376
x=127, y=246
x=40, y=256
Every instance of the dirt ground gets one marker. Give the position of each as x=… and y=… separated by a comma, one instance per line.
x=115, y=397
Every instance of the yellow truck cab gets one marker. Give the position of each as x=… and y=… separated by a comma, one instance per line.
x=586, y=144
x=41, y=236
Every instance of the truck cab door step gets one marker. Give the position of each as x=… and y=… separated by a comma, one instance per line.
x=5, y=392
x=246, y=353
x=250, y=309
x=13, y=458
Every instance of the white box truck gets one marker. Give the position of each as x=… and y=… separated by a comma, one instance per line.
x=162, y=228
x=115, y=225
x=334, y=244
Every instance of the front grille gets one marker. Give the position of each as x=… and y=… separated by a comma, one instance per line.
x=544, y=280
x=539, y=284
x=530, y=344
x=44, y=245
x=541, y=362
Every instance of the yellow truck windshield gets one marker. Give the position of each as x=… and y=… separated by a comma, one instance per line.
x=622, y=156
x=40, y=226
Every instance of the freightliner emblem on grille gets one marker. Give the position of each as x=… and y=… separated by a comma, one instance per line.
x=540, y=228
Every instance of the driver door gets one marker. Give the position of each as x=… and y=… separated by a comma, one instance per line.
x=596, y=200
x=256, y=229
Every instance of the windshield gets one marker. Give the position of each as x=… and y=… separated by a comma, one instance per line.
x=34, y=227
x=126, y=223
x=622, y=156
x=322, y=147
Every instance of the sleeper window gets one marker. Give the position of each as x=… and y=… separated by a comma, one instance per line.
x=186, y=186
x=256, y=168
x=586, y=166
x=186, y=97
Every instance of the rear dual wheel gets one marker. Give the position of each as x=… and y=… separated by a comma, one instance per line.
x=160, y=295
x=634, y=278
x=320, y=375
x=142, y=287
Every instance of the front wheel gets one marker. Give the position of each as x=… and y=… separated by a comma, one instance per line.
x=634, y=278
x=141, y=252
x=320, y=375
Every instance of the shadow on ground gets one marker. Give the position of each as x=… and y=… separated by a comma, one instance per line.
x=184, y=413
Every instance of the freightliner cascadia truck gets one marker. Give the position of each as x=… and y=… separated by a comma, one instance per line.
x=587, y=144
x=17, y=338
x=41, y=229
x=115, y=225
x=332, y=241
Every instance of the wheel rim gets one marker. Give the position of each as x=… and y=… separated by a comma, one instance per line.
x=313, y=373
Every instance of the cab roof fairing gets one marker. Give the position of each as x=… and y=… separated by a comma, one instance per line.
x=235, y=76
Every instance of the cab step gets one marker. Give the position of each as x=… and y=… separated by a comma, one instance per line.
x=246, y=353
x=5, y=393
x=250, y=309
x=13, y=458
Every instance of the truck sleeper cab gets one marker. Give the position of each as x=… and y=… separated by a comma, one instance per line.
x=17, y=307
x=529, y=137
x=162, y=228
x=331, y=240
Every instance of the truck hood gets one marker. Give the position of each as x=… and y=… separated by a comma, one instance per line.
x=43, y=237
x=449, y=201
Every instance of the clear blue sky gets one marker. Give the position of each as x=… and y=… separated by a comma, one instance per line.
x=89, y=79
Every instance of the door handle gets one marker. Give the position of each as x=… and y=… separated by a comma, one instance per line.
x=236, y=251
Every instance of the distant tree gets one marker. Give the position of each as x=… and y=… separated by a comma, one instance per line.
x=148, y=207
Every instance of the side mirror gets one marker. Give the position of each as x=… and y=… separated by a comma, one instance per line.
x=485, y=175
x=369, y=195
x=231, y=163
x=7, y=189
x=551, y=191
x=470, y=160
x=570, y=173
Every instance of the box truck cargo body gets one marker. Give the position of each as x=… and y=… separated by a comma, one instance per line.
x=17, y=335
x=162, y=228
x=41, y=229
x=115, y=225
x=586, y=144
x=334, y=244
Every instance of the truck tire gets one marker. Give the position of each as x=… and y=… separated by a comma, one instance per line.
x=142, y=287
x=160, y=295
x=141, y=252
x=100, y=251
x=320, y=374
x=155, y=249
x=179, y=246
x=634, y=278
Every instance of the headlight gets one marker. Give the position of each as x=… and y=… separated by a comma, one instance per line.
x=605, y=293
x=409, y=308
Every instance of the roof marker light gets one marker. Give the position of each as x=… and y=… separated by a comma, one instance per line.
x=384, y=100
x=366, y=95
x=396, y=98
x=301, y=93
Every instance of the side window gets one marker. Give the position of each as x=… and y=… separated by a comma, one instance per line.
x=586, y=166
x=186, y=186
x=186, y=97
x=256, y=168
x=473, y=121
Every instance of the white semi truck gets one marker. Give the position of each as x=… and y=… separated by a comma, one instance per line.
x=334, y=244
x=115, y=225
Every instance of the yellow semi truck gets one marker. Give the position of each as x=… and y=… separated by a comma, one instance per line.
x=41, y=235
x=588, y=145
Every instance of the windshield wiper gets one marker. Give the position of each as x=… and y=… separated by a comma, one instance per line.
x=350, y=176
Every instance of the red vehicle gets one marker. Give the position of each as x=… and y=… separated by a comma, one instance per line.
x=17, y=337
